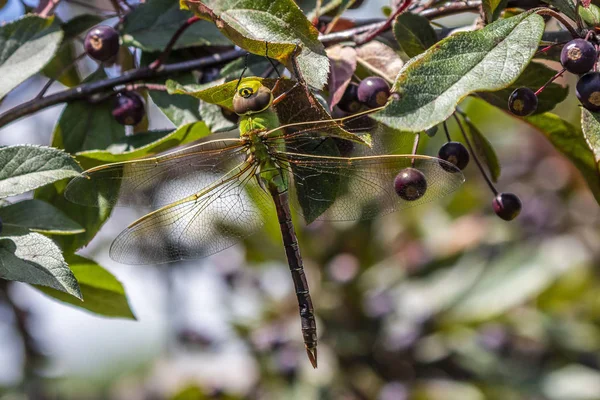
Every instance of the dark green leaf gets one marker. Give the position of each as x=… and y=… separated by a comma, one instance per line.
x=90, y=218
x=251, y=23
x=492, y=9
x=413, y=33
x=483, y=148
x=79, y=25
x=534, y=76
x=151, y=25
x=38, y=216
x=590, y=125
x=87, y=126
x=185, y=134
x=27, y=167
x=431, y=85
x=570, y=141
x=60, y=69
x=566, y=7
x=27, y=44
x=102, y=293
x=35, y=259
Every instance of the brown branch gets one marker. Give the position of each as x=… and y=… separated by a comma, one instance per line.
x=385, y=26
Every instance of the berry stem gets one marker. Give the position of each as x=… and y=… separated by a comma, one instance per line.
x=555, y=77
x=471, y=150
x=415, y=148
x=559, y=18
x=60, y=73
x=446, y=131
x=165, y=54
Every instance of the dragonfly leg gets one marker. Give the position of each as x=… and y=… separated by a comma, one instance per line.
x=292, y=252
x=283, y=95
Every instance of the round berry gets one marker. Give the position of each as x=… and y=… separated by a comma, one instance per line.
x=410, y=184
x=102, y=43
x=373, y=91
x=588, y=91
x=455, y=153
x=349, y=102
x=522, y=102
x=129, y=108
x=507, y=206
x=578, y=56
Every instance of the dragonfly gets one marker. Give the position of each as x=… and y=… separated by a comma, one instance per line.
x=210, y=195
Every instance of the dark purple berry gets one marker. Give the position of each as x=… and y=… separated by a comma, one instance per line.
x=588, y=91
x=522, y=102
x=373, y=91
x=410, y=184
x=129, y=108
x=455, y=153
x=578, y=56
x=507, y=206
x=349, y=102
x=102, y=43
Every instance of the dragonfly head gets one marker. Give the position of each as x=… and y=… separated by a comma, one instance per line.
x=251, y=97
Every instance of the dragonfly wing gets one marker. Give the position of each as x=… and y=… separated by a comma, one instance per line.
x=339, y=188
x=157, y=181
x=198, y=226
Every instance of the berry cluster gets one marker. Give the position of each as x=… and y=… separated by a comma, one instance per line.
x=102, y=44
x=579, y=56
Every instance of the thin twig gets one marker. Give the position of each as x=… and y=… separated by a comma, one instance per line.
x=386, y=25
x=165, y=54
x=58, y=75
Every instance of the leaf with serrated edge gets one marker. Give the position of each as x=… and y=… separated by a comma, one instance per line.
x=27, y=44
x=102, y=293
x=570, y=141
x=35, y=259
x=251, y=23
x=431, y=85
x=27, y=167
x=38, y=216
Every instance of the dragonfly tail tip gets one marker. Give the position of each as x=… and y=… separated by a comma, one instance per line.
x=312, y=356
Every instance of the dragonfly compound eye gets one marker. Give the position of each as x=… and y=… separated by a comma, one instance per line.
x=248, y=101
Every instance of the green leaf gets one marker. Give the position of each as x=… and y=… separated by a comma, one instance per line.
x=87, y=126
x=251, y=23
x=492, y=9
x=413, y=33
x=151, y=25
x=27, y=167
x=59, y=67
x=27, y=44
x=90, y=218
x=185, y=134
x=590, y=124
x=80, y=24
x=483, y=148
x=534, y=76
x=566, y=7
x=214, y=118
x=38, y=216
x=570, y=141
x=102, y=293
x=431, y=85
x=590, y=15
x=35, y=259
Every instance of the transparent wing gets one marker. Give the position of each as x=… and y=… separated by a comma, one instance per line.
x=351, y=188
x=198, y=226
x=157, y=181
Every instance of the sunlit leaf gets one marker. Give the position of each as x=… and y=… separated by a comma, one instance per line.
x=102, y=293
x=251, y=23
x=27, y=44
x=431, y=85
x=27, y=167
x=35, y=259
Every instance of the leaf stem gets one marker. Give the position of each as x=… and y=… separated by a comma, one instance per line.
x=559, y=18
x=165, y=54
x=60, y=73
